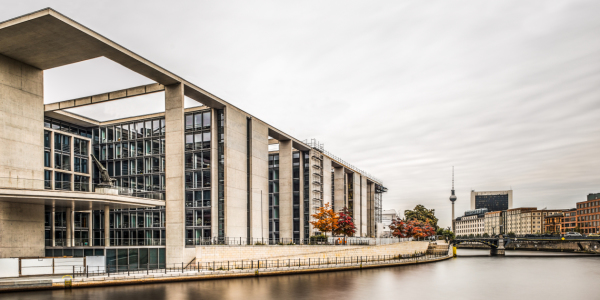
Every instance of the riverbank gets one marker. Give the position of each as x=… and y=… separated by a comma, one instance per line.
x=591, y=247
x=54, y=283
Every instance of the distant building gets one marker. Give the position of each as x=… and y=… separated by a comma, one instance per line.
x=569, y=223
x=520, y=221
x=588, y=214
x=471, y=223
x=387, y=216
x=553, y=223
x=493, y=201
x=494, y=222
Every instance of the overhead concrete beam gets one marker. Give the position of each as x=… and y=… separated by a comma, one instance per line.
x=104, y=97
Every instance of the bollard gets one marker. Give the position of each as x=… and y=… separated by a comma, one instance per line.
x=453, y=251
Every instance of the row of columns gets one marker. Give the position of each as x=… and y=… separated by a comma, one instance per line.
x=70, y=227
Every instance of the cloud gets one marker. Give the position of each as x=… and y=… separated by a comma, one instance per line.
x=505, y=91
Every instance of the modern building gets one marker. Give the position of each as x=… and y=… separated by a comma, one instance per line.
x=211, y=174
x=588, y=214
x=493, y=201
x=472, y=223
x=387, y=216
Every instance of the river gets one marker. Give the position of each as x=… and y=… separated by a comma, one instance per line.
x=473, y=275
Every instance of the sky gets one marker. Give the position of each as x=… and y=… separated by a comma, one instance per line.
x=507, y=92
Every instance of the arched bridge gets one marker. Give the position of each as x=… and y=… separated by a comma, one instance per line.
x=496, y=243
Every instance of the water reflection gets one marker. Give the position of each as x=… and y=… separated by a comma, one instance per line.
x=462, y=278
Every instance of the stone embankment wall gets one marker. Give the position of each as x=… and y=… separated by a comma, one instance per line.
x=225, y=253
x=559, y=246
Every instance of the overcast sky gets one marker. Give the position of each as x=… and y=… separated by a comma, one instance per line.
x=506, y=91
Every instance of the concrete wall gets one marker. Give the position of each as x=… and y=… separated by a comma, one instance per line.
x=357, y=213
x=174, y=173
x=260, y=180
x=21, y=155
x=224, y=253
x=285, y=190
x=235, y=173
x=21, y=230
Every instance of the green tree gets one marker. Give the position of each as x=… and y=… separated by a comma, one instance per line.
x=486, y=235
x=421, y=213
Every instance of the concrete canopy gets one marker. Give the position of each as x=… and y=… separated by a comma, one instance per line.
x=47, y=39
x=75, y=200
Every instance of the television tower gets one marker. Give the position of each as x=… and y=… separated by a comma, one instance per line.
x=453, y=199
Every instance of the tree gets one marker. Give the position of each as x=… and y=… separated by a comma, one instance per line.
x=420, y=213
x=326, y=219
x=345, y=225
x=446, y=233
x=412, y=228
x=486, y=235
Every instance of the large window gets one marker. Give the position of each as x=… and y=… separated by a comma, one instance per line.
x=274, y=196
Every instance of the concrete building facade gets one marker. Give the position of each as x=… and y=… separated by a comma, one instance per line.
x=183, y=177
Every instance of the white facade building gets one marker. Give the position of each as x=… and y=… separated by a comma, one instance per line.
x=471, y=223
x=387, y=216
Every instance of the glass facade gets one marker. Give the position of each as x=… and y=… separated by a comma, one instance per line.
x=197, y=177
x=296, y=194
x=221, y=173
x=274, y=196
x=306, y=194
x=492, y=202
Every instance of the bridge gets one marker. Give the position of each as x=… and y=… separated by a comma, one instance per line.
x=496, y=244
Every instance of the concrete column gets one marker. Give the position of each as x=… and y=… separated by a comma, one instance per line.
x=339, y=198
x=52, y=159
x=363, y=206
x=285, y=190
x=106, y=226
x=236, y=187
x=91, y=228
x=372, y=229
x=327, y=181
x=22, y=123
x=175, y=173
x=52, y=226
x=72, y=158
x=69, y=217
x=259, y=220
x=357, y=213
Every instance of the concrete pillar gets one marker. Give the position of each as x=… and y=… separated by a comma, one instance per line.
x=339, y=198
x=285, y=190
x=357, y=213
x=175, y=173
x=53, y=227
x=91, y=228
x=363, y=206
x=22, y=123
x=69, y=217
x=327, y=183
x=259, y=219
x=372, y=226
x=106, y=226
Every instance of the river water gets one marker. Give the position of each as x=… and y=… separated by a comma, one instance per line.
x=473, y=275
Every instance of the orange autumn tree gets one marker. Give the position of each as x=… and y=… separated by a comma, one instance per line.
x=326, y=219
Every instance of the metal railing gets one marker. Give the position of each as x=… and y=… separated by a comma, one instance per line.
x=329, y=241
x=264, y=265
